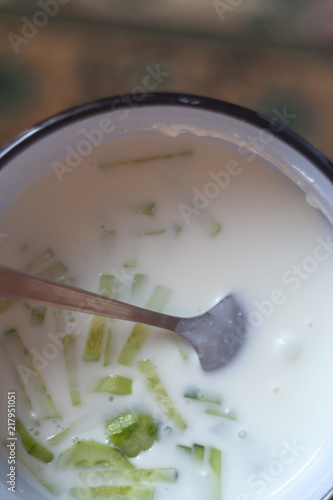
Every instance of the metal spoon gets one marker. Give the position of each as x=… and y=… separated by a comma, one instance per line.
x=215, y=335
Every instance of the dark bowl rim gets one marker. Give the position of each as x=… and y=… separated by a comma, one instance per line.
x=95, y=107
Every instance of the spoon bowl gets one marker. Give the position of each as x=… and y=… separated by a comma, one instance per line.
x=216, y=335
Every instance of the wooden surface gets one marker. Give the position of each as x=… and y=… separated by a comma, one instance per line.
x=68, y=62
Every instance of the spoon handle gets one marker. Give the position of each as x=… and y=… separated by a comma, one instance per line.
x=25, y=287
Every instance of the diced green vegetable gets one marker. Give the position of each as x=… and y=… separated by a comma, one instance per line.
x=131, y=434
x=115, y=384
x=133, y=344
x=69, y=344
x=31, y=445
x=182, y=351
x=114, y=492
x=155, y=232
x=167, y=475
x=207, y=398
x=155, y=385
x=147, y=209
x=38, y=315
x=215, y=461
x=217, y=413
x=5, y=305
x=93, y=454
x=158, y=298
x=198, y=452
x=56, y=438
x=32, y=381
x=149, y=425
x=131, y=263
x=208, y=223
x=107, y=285
x=108, y=234
x=144, y=160
x=47, y=266
x=177, y=229
x=93, y=347
x=108, y=348
x=186, y=449
x=92, y=350
x=138, y=282
x=156, y=302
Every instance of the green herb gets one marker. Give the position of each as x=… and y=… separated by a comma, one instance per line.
x=115, y=384
x=144, y=160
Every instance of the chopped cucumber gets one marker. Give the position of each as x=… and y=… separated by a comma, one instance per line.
x=138, y=282
x=147, y=210
x=155, y=385
x=155, y=232
x=106, y=285
x=131, y=434
x=56, y=438
x=208, y=223
x=156, y=302
x=215, y=461
x=149, y=425
x=47, y=266
x=131, y=263
x=37, y=314
x=144, y=160
x=93, y=347
x=114, y=492
x=69, y=343
x=210, y=456
x=5, y=305
x=217, y=413
x=167, y=475
x=32, y=381
x=108, y=348
x=186, y=449
x=177, y=228
x=133, y=344
x=198, y=452
x=93, y=454
x=108, y=234
x=31, y=445
x=158, y=298
x=207, y=398
x=182, y=351
x=115, y=384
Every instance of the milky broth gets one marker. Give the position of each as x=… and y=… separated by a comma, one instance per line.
x=273, y=251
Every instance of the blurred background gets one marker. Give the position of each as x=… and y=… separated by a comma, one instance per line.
x=266, y=55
